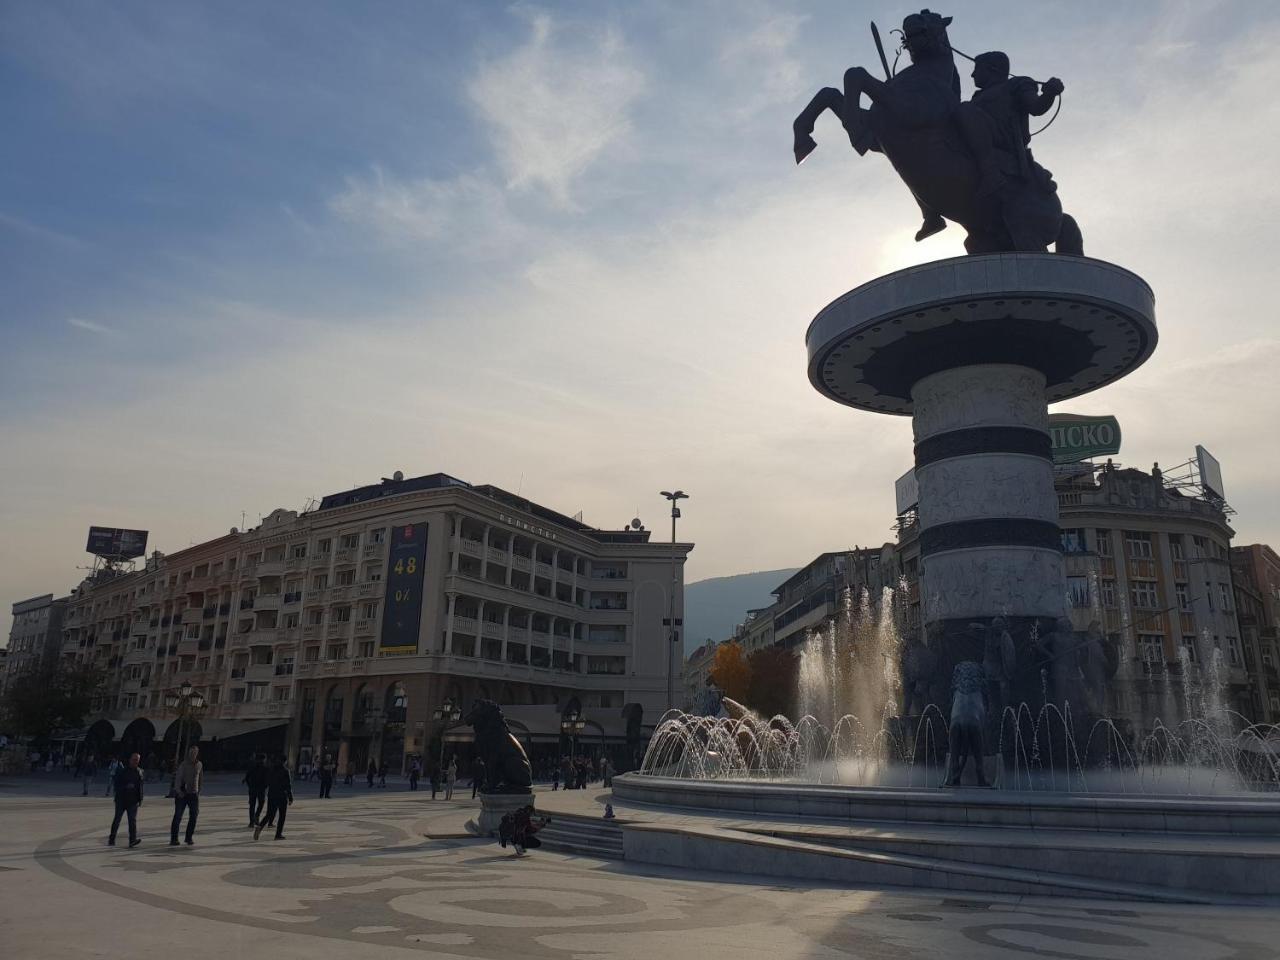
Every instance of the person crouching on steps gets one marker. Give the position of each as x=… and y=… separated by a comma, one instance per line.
x=279, y=796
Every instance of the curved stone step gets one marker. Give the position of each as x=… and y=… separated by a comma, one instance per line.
x=711, y=848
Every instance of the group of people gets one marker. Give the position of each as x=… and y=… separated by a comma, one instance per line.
x=577, y=773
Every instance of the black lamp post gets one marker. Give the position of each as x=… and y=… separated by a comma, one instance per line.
x=187, y=702
x=450, y=713
x=571, y=725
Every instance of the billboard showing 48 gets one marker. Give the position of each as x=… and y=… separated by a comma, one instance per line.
x=402, y=605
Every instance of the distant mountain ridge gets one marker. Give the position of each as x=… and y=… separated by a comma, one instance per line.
x=713, y=607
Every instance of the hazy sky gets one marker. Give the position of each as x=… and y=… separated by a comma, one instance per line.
x=255, y=253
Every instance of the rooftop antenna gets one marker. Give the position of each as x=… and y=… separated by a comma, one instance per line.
x=520, y=485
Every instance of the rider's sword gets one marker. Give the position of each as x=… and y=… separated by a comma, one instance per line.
x=884, y=61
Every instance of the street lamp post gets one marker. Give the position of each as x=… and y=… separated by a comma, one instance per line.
x=571, y=724
x=450, y=713
x=187, y=702
x=673, y=634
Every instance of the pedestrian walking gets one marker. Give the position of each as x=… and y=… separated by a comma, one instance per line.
x=477, y=776
x=382, y=776
x=450, y=776
x=255, y=780
x=326, y=777
x=607, y=770
x=555, y=778
x=350, y=779
x=112, y=767
x=128, y=795
x=435, y=780
x=89, y=771
x=186, y=796
x=279, y=797
x=373, y=772
x=415, y=770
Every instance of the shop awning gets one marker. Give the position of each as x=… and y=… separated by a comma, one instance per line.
x=226, y=729
x=540, y=723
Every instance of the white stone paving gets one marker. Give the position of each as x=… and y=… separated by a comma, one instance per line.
x=357, y=878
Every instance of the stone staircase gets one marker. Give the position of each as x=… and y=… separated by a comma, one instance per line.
x=585, y=836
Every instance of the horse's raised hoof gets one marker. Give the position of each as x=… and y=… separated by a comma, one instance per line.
x=804, y=146
x=931, y=225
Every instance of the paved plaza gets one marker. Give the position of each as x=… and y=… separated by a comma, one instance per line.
x=380, y=872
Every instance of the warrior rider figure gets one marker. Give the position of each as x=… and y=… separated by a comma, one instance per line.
x=997, y=118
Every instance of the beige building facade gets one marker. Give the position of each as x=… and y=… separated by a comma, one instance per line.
x=34, y=637
x=344, y=629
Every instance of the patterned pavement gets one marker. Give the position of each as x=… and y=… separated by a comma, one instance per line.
x=359, y=876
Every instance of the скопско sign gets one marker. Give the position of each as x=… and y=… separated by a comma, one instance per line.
x=402, y=606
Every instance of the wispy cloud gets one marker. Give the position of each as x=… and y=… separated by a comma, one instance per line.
x=557, y=103
x=91, y=325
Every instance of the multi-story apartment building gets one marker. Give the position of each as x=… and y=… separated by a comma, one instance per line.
x=344, y=629
x=1148, y=563
x=697, y=675
x=35, y=636
x=1255, y=571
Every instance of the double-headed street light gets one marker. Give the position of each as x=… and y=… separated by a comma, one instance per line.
x=674, y=635
x=187, y=701
x=571, y=724
x=450, y=713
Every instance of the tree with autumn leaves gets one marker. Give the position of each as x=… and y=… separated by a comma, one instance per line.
x=765, y=681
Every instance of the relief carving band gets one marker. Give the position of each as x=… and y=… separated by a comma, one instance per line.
x=966, y=161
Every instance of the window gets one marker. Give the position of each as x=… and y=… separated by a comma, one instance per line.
x=1103, y=540
x=366, y=648
x=1137, y=545
x=337, y=651
x=1073, y=541
x=610, y=665
x=378, y=536
x=368, y=610
x=323, y=547
x=341, y=614
x=349, y=541
x=298, y=551
x=315, y=616
x=344, y=578
x=237, y=694
x=279, y=694
x=1189, y=645
x=1175, y=547
x=258, y=692
x=1143, y=596
x=1233, y=651
x=1078, y=591
x=1182, y=597
x=1224, y=594
x=290, y=620
x=311, y=655
x=1151, y=647
x=215, y=694
x=320, y=581
x=1208, y=595
x=260, y=656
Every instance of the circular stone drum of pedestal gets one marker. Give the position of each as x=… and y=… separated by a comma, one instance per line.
x=1083, y=323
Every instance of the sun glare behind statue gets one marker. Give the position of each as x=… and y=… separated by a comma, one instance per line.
x=899, y=249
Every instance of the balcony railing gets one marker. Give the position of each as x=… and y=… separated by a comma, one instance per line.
x=345, y=555
x=371, y=550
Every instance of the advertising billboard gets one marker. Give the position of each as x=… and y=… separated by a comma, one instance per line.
x=402, y=606
x=906, y=491
x=113, y=543
x=1210, y=473
x=1074, y=437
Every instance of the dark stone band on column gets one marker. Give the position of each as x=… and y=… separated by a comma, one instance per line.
x=963, y=443
x=990, y=532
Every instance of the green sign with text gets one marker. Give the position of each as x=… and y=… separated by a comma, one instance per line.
x=1078, y=438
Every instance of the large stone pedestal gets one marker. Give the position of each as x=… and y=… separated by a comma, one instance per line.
x=493, y=807
x=974, y=349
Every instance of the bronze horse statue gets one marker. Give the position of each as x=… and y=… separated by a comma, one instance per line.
x=960, y=160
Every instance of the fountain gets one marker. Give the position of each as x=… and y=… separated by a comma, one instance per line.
x=973, y=349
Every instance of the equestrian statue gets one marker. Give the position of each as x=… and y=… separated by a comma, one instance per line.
x=966, y=161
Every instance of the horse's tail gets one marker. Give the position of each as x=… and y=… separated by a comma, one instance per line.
x=1070, y=241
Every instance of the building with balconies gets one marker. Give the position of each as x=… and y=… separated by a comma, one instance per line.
x=1146, y=560
x=1255, y=572
x=311, y=629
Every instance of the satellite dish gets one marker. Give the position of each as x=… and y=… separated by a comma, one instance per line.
x=234, y=531
x=636, y=524
x=398, y=475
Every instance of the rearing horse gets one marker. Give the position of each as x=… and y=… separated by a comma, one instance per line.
x=945, y=151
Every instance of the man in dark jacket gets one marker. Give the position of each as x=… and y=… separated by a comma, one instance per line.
x=127, y=784
x=255, y=778
x=326, y=777
x=279, y=796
